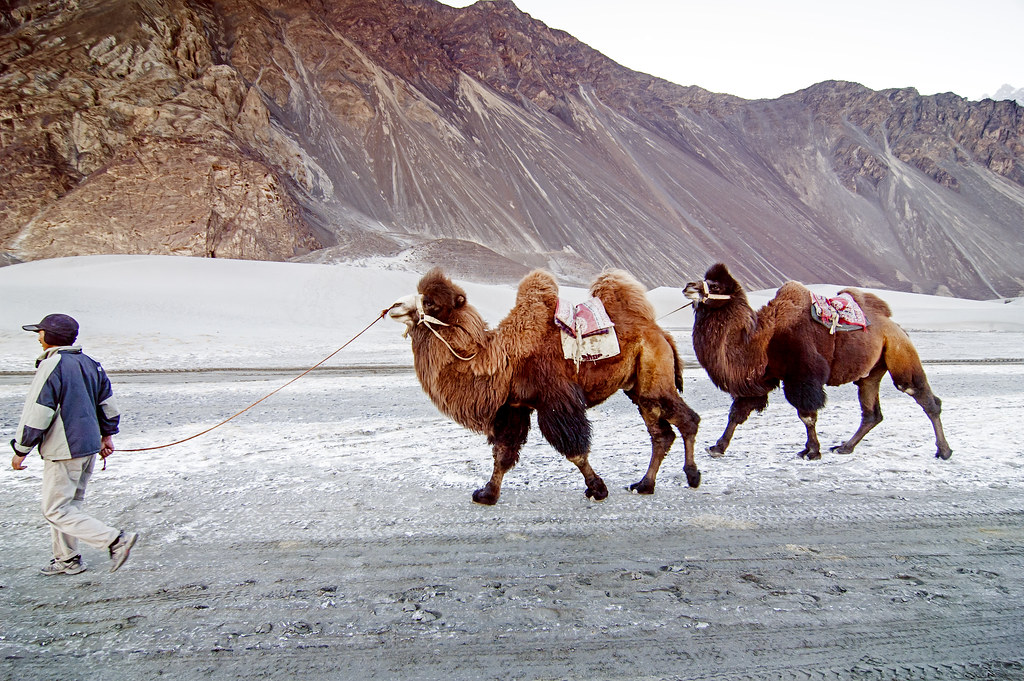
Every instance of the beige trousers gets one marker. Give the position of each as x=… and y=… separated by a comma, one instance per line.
x=63, y=497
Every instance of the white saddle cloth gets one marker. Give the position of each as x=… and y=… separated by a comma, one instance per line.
x=588, y=333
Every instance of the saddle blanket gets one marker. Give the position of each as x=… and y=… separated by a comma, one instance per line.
x=841, y=313
x=588, y=333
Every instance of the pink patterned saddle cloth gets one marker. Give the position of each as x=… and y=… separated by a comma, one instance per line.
x=586, y=319
x=841, y=313
x=588, y=333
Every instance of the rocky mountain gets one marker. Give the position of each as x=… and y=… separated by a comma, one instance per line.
x=1007, y=91
x=410, y=133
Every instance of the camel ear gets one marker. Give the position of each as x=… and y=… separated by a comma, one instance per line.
x=718, y=272
x=460, y=300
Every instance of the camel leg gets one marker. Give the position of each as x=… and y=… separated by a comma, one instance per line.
x=738, y=413
x=909, y=377
x=659, y=416
x=662, y=437
x=932, y=406
x=870, y=408
x=687, y=421
x=511, y=426
x=565, y=425
x=812, y=450
x=596, y=489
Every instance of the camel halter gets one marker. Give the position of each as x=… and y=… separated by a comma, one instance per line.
x=708, y=295
x=427, y=321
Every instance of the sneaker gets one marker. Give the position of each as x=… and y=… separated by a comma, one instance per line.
x=120, y=549
x=71, y=566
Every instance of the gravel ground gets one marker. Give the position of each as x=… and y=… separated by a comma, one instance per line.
x=329, y=533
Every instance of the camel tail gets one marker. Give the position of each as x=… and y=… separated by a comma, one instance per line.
x=677, y=360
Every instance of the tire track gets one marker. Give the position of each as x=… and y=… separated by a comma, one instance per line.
x=850, y=610
x=356, y=554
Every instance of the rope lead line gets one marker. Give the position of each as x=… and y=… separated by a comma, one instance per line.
x=192, y=437
x=675, y=310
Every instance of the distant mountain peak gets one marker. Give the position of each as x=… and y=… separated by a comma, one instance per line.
x=1007, y=91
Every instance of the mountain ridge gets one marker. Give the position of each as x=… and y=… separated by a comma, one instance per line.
x=340, y=131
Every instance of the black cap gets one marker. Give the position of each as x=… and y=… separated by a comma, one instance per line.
x=60, y=325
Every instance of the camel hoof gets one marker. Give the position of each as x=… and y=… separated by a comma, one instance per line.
x=944, y=454
x=692, y=476
x=842, y=449
x=642, y=487
x=809, y=455
x=597, y=490
x=716, y=452
x=485, y=496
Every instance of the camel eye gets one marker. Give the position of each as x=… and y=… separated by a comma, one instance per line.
x=430, y=307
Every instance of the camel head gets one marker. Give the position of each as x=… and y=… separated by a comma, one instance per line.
x=716, y=289
x=436, y=301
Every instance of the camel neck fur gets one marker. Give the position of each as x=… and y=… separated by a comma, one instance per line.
x=471, y=391
x=731, y=343
x=467, y=391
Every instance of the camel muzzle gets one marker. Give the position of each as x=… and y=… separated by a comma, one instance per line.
x=409, y=311
x=699, y=292
x=406, y=311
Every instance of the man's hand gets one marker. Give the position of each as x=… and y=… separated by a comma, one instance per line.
x=17, y=461
x=108, y=446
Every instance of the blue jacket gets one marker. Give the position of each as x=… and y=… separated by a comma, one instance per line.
x=69, y=407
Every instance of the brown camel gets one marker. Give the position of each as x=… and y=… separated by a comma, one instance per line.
x=491, y=380
x=748, y=354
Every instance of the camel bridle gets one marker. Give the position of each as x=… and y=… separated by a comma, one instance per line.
x=707, y=295
x=430, y=321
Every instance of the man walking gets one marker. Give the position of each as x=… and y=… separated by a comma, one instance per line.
x=71, y=417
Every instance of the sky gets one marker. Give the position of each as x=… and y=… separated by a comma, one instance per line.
x=767, y=48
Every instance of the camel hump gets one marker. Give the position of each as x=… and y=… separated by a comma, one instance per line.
x=788, y=307
x=526, y=324
x=539, y=286
x=621, y=292
x=870, y=303
x=794, y=291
